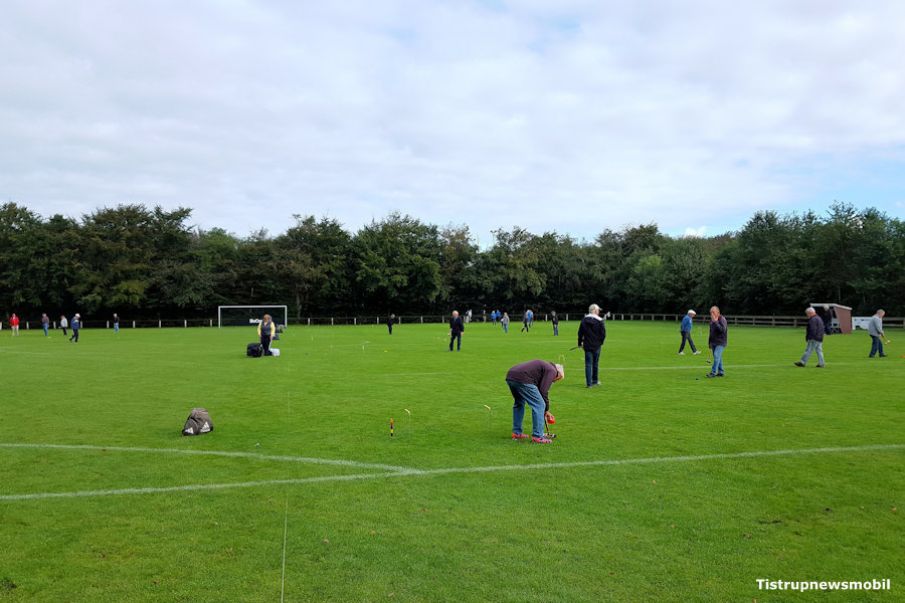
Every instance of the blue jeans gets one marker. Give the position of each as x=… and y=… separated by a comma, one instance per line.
x=717, y=368
x=116, y=327
x=505, y=327
x=555, y=330
x=876, y=346
x=591, y=360
x=527, y=393
x=46, y=327
x=813, y=346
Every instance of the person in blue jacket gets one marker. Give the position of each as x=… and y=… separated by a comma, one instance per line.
x=685, y=329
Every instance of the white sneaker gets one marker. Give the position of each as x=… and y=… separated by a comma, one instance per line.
x=696, y=353
x=681, y=353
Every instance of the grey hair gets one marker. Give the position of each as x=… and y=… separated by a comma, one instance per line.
x=593, y=307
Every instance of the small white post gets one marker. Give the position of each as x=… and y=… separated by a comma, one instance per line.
x=422, y=320
x=133, y=324
x=331, y=321
x=309, y=321
x=54, y=324
x=185, y=323
x=355, y=320
x=159, y=324
x=27, y=327
x=212, y=322
x=108, y=324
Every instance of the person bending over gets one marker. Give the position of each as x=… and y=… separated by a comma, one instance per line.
x=529, y=384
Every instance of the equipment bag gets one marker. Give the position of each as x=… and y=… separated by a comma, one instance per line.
x=254, y=350
x=199, y=422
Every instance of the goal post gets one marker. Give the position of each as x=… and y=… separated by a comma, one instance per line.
x=234, y=316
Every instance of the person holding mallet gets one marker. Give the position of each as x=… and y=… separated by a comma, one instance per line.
x=591, y=335
x=814, y=339
x=875, y=330
x=529, y=383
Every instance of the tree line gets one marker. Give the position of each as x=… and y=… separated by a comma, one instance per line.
x=147, y=262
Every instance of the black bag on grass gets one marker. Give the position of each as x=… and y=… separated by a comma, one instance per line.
x=254, y=350
x=199, y=422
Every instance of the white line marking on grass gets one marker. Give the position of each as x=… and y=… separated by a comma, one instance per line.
x=459, y=470
x=703, y=366
x=285, y=532
x=219, y=453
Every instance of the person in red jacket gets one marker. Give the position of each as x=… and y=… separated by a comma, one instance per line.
x=14, y=324
x=529, y=384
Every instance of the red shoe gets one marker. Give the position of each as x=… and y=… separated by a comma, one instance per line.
x=520, y=436
x=542, y=440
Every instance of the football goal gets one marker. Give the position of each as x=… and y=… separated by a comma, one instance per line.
x=235, y=316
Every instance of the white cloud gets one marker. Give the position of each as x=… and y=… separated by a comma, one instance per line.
x=695, y=232
x=573, y=116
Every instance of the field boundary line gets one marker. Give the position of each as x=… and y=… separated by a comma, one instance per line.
x=216, y=453
x=456, y=470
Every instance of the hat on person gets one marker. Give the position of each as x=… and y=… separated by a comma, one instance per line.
x=692, y=312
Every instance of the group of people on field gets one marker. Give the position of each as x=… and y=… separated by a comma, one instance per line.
x=530, y=382
x=65, y=325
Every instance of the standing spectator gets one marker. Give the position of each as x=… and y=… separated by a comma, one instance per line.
x=685, y=329
x=719, y=339
x=505, y=322
x=814, y=338
x=494, y=315
x=591, y=335
x=115, y=322
x=456, y=327
x=874, y=329
x=390, y=320
x=266, y=331
x=468, y=316
x=526, y=321
x=64, y=324
x=14, y=324
x=76, y=325
x=45, y=324
x=529, y=384
x=555, y=319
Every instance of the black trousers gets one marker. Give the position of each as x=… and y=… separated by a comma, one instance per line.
x=265, y=343
x=687, y=336
x=75, y=336
x=455, y=337
x=390, y=327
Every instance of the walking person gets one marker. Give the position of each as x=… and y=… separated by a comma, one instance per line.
x=874, y=329
x=76, y=325
x=685, y=329
x=456, y=327
x=555, y=320
x=813, y=338
x=267, y=330
x=45, y=324
x=719, y=339
x=64, y=324
x=390, y=320
x=505, y=322
x=529, y=383
x=591, y=335
x=115, y=322
x=14, y=324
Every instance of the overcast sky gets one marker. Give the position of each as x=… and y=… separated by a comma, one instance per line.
x=548, y=114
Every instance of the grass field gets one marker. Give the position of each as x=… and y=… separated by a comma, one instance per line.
x=648, y=493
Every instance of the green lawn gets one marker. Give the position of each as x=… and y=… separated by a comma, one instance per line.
x=427, y=528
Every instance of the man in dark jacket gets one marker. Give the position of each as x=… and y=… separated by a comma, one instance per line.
x=529, y=384
x=814, y=338
x=591, y=334
x=719, y=339
x=456, y=326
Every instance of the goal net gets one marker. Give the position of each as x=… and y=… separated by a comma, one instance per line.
x=243, y=316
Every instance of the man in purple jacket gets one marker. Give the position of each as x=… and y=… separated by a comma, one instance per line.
x=530, y=384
